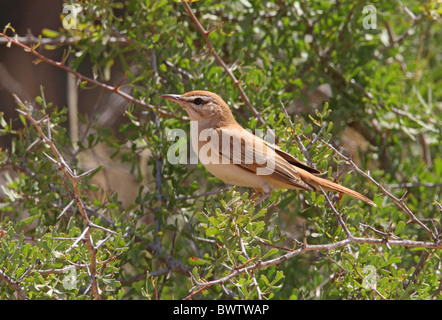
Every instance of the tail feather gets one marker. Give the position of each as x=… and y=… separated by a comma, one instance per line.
x=328, y=185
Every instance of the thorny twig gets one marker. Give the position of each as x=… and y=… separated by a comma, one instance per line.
x=74, y=180
x=305, y=247
x=211, y=50
x=317, y=247
x=350, y=239
x=15, y=285
x=399, y=202
x=111, y=88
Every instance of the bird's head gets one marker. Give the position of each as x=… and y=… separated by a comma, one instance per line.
x=203, y=106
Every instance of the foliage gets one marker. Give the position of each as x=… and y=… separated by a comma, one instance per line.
x=180, y=233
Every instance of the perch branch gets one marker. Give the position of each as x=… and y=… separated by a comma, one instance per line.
x=114, y=89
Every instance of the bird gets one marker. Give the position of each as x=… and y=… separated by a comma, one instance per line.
x=239, y=157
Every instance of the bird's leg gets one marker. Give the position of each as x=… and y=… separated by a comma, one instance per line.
x=260, y=195
x=263, y=197
x=255, y=194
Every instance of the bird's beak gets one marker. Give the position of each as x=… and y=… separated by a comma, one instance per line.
x=171, y=97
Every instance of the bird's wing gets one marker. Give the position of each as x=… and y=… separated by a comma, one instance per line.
x=291, y=159
x=251, y=153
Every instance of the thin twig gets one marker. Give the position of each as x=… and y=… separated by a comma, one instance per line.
x=337, y=214
x=317, y=247
x=399, y=202
x=114, y=89
x=62, y=40
x=197, y=195
x=298, y=139
x=415, y=184
x=244, y=252
x=15, y=285
x=74, y=179
x=211, y=50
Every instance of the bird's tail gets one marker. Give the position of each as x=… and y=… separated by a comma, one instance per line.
x=328, y=185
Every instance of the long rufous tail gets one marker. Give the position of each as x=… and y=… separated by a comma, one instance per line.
x=328, y=185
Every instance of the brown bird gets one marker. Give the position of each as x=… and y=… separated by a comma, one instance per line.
x=238, y=157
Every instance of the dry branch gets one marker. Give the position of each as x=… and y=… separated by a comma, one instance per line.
x=399, y=202
x=114, y=89
x=211, y=51
x=71, y=176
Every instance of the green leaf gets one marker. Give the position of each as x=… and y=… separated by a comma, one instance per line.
x=269, y=253
x=392, y=260
x=259, y=214
x=399, y=227
x=212, y=231
x=50, y=33
x=194, y=261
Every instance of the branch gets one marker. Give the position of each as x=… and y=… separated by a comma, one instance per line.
x=33, y=40
x=114, y=89
x=298, y=139
x=317, y=247
x=211, y=51
x=350, y=239
x=244, y=252
x=74, y=179
x=399, y=202
x=406, y=185
x=337, y=214
x=197, y=195
x=15, y=285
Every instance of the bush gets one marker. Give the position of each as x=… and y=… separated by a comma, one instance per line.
x=349, y=88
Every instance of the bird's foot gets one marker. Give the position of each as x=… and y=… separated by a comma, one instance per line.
x=261, y=197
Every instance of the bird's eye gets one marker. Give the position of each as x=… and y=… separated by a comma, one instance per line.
x=198, y=101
